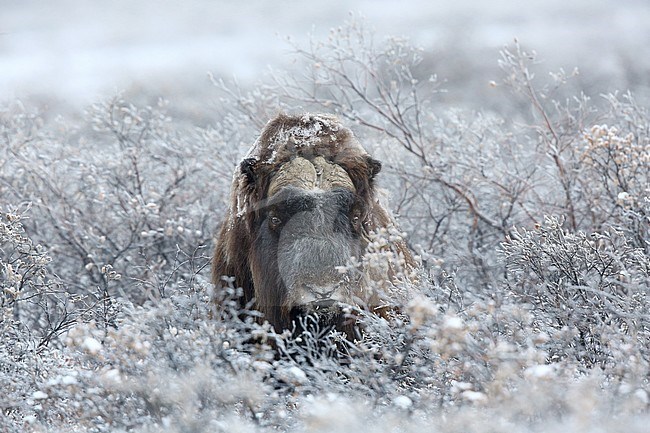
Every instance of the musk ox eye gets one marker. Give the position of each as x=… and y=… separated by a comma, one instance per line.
x=356, y=220
x=274, y=221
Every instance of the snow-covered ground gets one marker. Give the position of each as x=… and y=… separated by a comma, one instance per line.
x=78, y=50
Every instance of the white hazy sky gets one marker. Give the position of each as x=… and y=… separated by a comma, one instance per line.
x=78, y=50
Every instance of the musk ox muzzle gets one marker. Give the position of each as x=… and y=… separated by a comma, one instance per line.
x=314, y=239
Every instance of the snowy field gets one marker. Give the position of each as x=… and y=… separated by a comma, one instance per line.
x=515, y=142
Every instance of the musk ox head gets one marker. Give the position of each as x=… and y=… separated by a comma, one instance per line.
x=303, y=206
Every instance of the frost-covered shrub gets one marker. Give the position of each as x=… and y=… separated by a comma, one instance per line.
x=121, y=195
x=617, y=173
x=586, y=292
x=32, y=298
x=169, y=365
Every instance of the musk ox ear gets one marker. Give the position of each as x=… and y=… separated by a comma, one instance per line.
x=247, y=168
x=374, y=167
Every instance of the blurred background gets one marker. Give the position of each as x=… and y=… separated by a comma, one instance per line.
x=76, y=51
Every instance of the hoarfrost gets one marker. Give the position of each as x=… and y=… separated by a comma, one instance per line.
x=403, y=402
x=293, y=375
x=39, y=395
x=545, y=371
x=92, y=345
x=474, y=396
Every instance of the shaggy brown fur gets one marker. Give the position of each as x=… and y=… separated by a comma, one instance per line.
x=284, y=139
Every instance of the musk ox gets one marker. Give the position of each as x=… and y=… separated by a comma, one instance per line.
x=302, y=213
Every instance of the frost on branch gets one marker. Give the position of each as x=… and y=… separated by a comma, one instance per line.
x=585, y=289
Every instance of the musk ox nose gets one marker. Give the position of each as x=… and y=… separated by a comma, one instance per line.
x=322, y=297
x=321, y=292
x=324, y=304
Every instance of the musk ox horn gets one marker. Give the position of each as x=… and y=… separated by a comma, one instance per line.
x=298, y=172
x=330, y=176
x=305, y=174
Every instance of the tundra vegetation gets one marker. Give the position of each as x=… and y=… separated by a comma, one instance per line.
x=531, y=218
